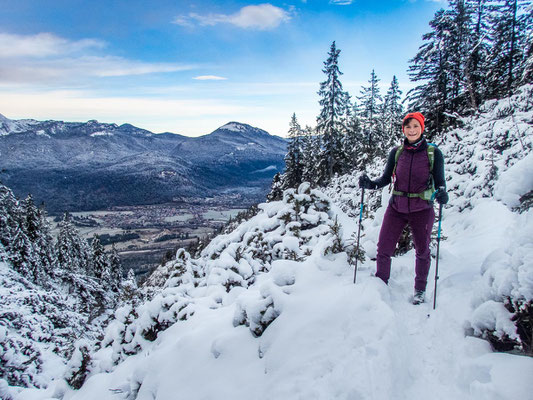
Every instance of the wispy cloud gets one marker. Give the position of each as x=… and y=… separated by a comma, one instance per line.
x=209, y=78
x=47, y=58
x=341, y=2
x=43, y=45
x=262, y=17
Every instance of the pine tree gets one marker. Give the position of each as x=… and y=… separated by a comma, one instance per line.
x=392, y=115
x=72, y=252
x=31, y=219
x=370, y=100
x=8, y=219
x=476, y=64
x=37, y=229
x=100, y=263
x=45, y=245
x=353, y=138
x=431, y=66
x=509, y=41
x=333, y=103
x=310, y=151
x=293, y=159
x=459, y=46
x=115, y=267
x=276, y=189
x=130, y=290
x=21, y=254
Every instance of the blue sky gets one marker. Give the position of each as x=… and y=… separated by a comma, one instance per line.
x=191, y=66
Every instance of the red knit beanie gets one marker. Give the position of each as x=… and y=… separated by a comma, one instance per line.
x=416, y=115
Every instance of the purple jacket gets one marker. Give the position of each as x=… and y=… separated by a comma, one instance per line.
x=412, y=175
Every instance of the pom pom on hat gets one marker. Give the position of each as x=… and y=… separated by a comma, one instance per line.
x=416, y=115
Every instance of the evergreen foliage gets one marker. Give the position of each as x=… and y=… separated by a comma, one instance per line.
x=293, y=160
x=333, y=101
x=476, y=50
x=370, y=99
x=53, y=293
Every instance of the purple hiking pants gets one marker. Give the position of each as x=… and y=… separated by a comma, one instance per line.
x=421, y=223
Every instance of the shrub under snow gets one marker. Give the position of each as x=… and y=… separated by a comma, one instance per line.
x=250, y=269
x=491, y=157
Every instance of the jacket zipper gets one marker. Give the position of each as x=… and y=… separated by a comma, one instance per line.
x=409, y=186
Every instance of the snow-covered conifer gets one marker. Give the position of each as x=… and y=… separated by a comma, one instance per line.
x=512, y=29
x=310, y=153
x=276, y=190
x=370, y=102
x=329, y=122
x=292, y=176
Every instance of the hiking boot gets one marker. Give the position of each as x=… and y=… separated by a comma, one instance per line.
x=419, y=297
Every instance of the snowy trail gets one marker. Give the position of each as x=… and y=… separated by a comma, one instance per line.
x=337, y=340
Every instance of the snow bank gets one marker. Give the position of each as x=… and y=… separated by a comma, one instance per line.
x=515, y=182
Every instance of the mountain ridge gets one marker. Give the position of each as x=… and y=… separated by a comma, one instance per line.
x=65, y=164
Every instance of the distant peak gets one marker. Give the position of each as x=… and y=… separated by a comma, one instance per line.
x=3, y=118
x=235, y=126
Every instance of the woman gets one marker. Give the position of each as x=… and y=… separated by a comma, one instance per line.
x=416, y=169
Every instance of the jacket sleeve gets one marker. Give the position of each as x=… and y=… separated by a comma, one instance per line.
x=438, y=170
x=386, y=178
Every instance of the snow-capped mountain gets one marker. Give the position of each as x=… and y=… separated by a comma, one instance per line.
x=92, y=165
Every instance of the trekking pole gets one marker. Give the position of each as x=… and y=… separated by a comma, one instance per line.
x=437, y=264
x=359, y=232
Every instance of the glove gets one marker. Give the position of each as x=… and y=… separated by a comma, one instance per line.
x=441, y=196
x=366, y=183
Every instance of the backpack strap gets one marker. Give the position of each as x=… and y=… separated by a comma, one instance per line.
x=431, y=155
x=399, y=150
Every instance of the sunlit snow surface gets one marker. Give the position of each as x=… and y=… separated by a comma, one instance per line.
x=336, y=340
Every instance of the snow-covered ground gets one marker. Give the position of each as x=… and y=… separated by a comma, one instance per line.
x=337, y=340
x=270, y=311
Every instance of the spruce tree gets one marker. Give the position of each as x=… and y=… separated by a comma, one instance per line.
x=21, y=254
x=353, y=138
x=476, y=64
x=431, y=66
x=276, y=189
x=509, y=38
x=293, y=159
x=370, y=102
x=8, y=215
x=392, y=115
x=333, y=103
x=310, y=152
x=72, y=252
x=45, y=245
x=459, y=47
x=115, y=266
x=100, y=262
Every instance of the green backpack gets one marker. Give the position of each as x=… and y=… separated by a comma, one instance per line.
x=429, y=193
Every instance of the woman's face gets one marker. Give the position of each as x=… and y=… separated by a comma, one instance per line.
x=413, y=130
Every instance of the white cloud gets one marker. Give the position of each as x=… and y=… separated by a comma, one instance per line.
x=42, y=45
x=262, y=17
x=209, y=78
x=46, y=58
x=78, y=69
x=341, y=2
